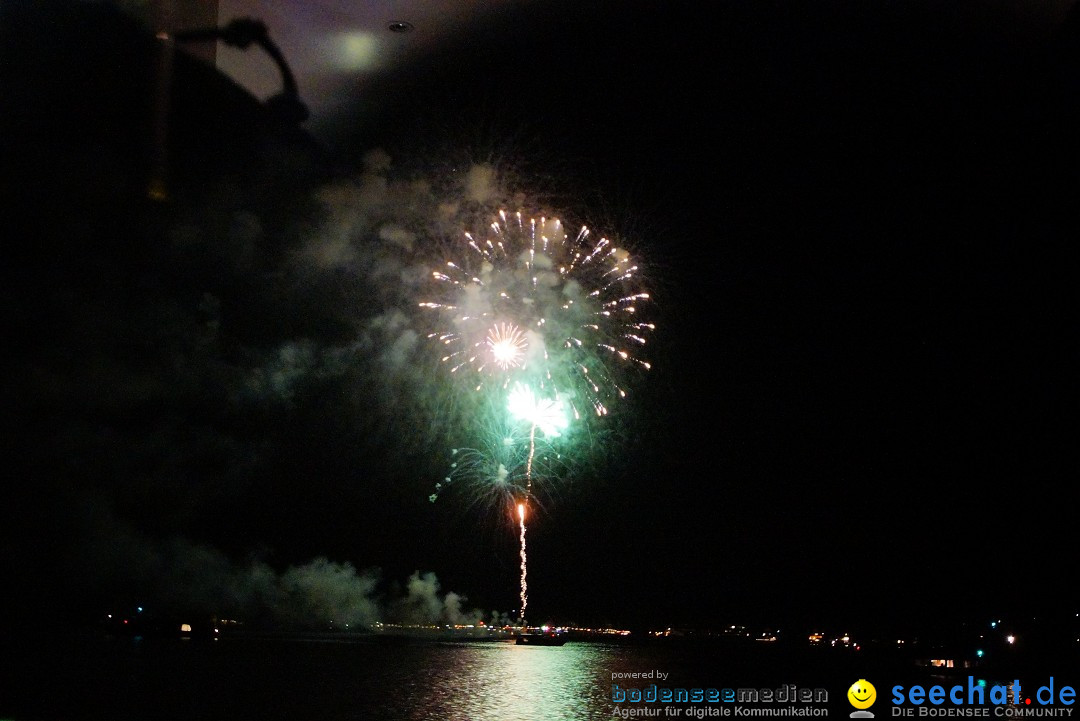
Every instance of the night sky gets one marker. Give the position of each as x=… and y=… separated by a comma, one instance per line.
x=858, y=222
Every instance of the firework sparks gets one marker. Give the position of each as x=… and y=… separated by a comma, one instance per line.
x=507, y=345
x=505, y=462
x=528, y=298
x=547, y=415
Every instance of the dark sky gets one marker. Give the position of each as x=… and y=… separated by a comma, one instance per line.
x=859, y=227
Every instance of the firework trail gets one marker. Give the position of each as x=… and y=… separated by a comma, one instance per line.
x=548, y=416
x=505, y=468
x=524, y=564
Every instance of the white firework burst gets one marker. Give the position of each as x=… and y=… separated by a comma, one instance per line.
x=524, y=299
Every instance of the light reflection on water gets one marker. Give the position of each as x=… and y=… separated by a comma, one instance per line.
x=506, y=682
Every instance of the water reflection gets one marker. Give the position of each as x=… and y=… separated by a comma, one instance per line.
x=507, y=682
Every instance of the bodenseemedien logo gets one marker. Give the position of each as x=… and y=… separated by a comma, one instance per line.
x=700, y=702
x=862, y=695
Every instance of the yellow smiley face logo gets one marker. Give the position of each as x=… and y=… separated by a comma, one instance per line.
x=862, y=694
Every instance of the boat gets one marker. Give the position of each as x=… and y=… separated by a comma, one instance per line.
x=541, y=638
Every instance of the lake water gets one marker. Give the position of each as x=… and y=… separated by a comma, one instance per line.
x=385, y=679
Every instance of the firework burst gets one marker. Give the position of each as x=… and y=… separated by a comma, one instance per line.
x=523, y=298
x=507, y=345
x=549, y=321
x=495, y=473
x=546, y=415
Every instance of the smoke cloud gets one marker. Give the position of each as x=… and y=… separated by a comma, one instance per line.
x=235, y=372
x=176, y=577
